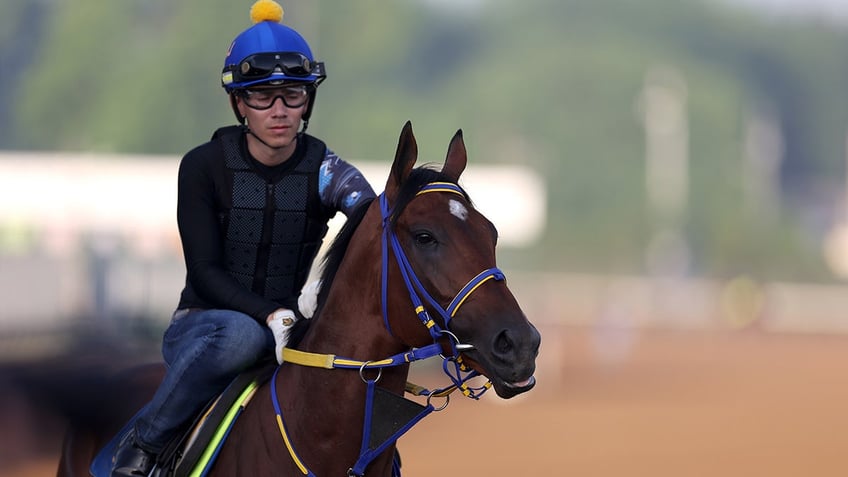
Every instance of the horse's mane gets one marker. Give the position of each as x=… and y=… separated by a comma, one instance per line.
x=333, y=259
x=418, y=178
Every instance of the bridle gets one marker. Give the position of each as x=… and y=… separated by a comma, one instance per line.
x=452, y=364
x=413, y=285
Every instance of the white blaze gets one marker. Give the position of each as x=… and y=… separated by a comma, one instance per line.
x=457, y=209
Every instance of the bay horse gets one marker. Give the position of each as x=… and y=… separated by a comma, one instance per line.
x=411, y=276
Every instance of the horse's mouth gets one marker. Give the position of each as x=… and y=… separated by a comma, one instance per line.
x=504, y=389
x=508, y=390
x=523, y=385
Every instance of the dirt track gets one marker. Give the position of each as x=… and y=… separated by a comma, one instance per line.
x=654, y=404
x=630, y=403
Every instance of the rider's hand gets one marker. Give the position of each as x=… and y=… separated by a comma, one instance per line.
x=280, y=322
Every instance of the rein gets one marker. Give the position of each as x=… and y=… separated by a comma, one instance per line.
x=452, y=364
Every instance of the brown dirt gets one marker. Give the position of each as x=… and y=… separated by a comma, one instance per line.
x=613, y=402
x=618, y=402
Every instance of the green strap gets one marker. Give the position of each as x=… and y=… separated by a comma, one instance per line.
x=224, y=427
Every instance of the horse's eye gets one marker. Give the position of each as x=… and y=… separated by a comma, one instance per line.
x=424, y=238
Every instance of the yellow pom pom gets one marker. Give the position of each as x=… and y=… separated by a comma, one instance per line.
x=266, y=10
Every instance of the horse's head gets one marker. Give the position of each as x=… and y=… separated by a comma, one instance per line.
x=449, y=250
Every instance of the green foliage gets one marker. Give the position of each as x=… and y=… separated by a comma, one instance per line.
x=553, y=84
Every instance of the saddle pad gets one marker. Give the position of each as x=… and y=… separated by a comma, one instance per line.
x=195, y=450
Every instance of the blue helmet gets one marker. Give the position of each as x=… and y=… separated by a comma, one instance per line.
x=269, y=53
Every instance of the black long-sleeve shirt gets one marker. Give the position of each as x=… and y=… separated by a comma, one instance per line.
x=204, y=195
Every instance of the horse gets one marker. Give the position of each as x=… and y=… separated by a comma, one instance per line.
x=411, y=276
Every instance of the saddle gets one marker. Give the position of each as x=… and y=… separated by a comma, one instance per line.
x=195, y=449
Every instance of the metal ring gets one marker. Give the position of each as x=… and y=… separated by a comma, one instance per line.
x=458, y=346
x=362, y=370
x=437, y=409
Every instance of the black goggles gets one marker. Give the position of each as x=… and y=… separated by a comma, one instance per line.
x=293, y=96
x=263, y=65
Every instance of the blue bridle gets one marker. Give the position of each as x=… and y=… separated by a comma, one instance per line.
x=459, y=376
x=414, y=286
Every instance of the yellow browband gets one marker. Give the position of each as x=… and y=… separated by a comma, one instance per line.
x=446, y=187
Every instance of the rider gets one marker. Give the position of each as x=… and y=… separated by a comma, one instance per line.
x=252, y=208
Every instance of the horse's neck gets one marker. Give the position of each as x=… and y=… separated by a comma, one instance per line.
x=351, y=326
x=324, y=408
x=350, y=321
x=329, y=405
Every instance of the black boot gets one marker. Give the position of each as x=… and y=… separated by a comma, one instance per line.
x=131, y=460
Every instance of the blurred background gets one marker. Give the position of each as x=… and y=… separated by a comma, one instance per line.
x=668, y=178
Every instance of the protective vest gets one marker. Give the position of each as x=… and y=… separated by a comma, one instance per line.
x=274, y=229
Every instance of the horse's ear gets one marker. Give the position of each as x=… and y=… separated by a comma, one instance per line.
x=405, y=157
x=457, y=157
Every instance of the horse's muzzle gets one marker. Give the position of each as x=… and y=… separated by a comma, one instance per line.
x=509, y=361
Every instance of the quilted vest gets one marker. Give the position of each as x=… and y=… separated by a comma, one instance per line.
x=274, y=229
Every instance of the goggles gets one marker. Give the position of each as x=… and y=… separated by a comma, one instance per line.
x=293, y=96
x=263, y=65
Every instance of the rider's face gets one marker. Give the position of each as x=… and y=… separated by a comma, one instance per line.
x=277, y=124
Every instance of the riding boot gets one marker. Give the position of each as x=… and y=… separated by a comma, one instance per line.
x=131, y=460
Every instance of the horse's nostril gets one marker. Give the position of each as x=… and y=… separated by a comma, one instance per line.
x=503, y=344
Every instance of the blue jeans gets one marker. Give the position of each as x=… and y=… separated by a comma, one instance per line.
x=204, y=350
